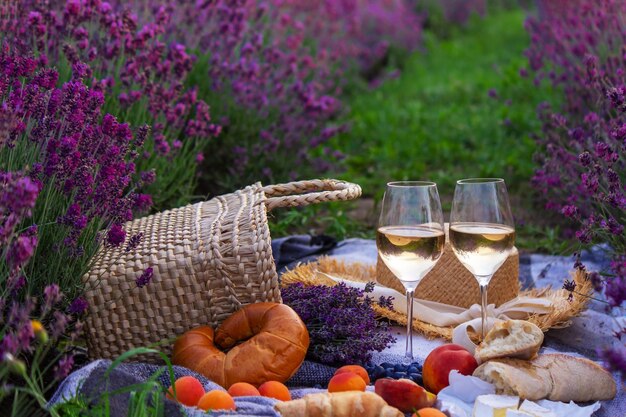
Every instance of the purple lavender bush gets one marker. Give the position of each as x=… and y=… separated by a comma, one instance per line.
x=579, y=46
x=67, y=182
x=142, y=74
x=272, y=72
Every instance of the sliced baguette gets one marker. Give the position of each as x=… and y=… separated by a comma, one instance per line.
x=511, y=339
x=556, y=377
x=516, y=377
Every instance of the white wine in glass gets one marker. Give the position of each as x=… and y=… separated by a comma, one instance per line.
x=481, y=230
x=410, y=237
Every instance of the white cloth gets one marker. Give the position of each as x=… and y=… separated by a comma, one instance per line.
x=463, y=319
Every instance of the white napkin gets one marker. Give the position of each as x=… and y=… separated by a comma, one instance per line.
x=443, y=315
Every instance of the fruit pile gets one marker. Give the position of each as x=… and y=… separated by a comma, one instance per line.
x=410, y=388
x=188, y=391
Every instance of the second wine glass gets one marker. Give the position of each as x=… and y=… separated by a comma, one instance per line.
x=482, y=234
x=410, y=237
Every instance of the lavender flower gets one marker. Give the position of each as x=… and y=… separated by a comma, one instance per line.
x=52, y=295
x=615, y=360
x=78, y=306
x=386, y=302
x=341, y=323
x=145, y=278
x=64, y=367
x=133, y=242
x=20, y=251
x=116, y=235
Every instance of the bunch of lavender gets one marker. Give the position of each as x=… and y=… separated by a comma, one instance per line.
x=141, y=73
x=579, y=46
x=341, y=322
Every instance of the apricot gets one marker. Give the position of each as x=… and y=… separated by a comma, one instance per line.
x=243, y=389
x=188, y=391
x=216, y=400
x=428, y=412
x=275, y=389
x=346, y=381
x=359, y=370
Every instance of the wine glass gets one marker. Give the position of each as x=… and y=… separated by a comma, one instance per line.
x=482, y=234
x=410, y=237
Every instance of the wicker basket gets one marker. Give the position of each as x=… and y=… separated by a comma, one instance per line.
x=208, y=260
x=449, y=282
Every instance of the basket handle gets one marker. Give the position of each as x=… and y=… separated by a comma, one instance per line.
x=303, y=193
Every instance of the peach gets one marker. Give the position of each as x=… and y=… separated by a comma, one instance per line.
x=359, y=370
x=188, y=391
x=429, y=412
x=441, y=361
x=216, y=400
x=404, y=394
x=275, y=389
x=346, y=381
x=242, y=389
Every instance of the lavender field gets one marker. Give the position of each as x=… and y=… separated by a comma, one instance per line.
x=113, y=110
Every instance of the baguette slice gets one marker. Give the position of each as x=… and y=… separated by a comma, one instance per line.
x=556, y=377
x=516, y=377
x=511, y=339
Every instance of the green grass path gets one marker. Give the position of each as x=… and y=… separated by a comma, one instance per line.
x=437, y=121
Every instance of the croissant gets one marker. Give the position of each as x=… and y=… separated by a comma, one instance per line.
x=338, y=404
x=273, y=343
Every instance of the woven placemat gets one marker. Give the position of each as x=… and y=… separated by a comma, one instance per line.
x=562, y=311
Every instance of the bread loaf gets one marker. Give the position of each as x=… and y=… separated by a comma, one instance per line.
x=511, y=339
x=272, y=338
x=338, y=404
x=556, y=377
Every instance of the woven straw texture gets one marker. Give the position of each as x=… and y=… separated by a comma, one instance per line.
x=560, y=315
x=449, y=282
x=208, y=260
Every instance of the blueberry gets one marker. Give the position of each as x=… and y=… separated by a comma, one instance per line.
x=377, y=372
x=412, y=369
x=387, y=365
x=398, y=375
x=399, y=367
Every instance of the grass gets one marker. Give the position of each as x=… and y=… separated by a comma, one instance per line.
x=438, y=121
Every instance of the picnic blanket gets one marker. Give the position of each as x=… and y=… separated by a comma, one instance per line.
x=588, y=333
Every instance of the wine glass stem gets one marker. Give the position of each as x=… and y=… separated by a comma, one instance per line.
x=409, y=325
x=483, y=309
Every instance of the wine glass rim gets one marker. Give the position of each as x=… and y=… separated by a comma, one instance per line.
x=480, y=181
x=411, y=184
